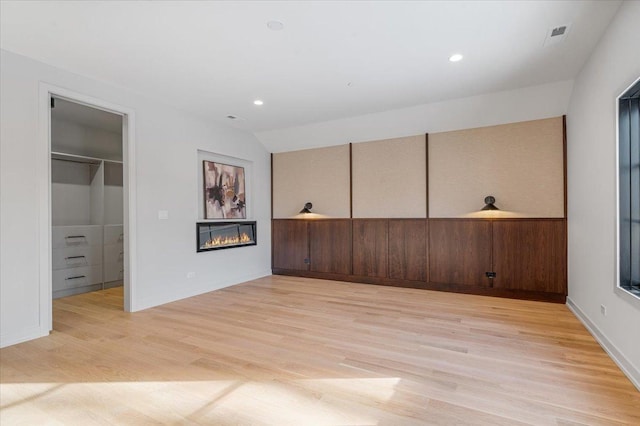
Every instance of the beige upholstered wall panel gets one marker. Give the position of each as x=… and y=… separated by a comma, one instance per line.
x=520, y=164
x=389, y=178
x=320, y=176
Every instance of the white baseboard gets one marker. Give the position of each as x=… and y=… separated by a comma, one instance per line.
x=10, y=339
x=627, y=368
x=239, y=279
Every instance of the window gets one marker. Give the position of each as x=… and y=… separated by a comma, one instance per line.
x=629, y=186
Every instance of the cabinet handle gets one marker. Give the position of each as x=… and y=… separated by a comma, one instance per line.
x=74, y=236
x=74, y=257
x=76, y=277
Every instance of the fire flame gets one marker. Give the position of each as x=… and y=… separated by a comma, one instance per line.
x=227, y=241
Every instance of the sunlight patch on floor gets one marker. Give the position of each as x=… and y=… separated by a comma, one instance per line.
x=309, y=402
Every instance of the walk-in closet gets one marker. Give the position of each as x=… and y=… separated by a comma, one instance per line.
x=86, y=199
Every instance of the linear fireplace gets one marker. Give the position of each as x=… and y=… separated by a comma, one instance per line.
x=222, y=235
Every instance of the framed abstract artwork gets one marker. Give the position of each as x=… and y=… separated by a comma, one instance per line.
x=224, y=191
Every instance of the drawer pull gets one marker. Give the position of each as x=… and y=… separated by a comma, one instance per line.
x=70, y=237
x=75, y=257
x=77, y=277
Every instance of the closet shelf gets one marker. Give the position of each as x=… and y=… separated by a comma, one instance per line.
x=55, y=155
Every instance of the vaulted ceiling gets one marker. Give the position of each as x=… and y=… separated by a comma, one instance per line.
x=329, y=60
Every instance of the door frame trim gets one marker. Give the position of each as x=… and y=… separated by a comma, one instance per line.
x=44, y=195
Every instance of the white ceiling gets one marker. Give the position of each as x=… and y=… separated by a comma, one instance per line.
x=214, y=58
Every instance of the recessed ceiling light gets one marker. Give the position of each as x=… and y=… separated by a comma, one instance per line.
x=258, y=102
x=275, y=25
x=455, y=58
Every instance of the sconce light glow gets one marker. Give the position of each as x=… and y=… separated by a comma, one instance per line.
x=258, y=102
x=455, y=58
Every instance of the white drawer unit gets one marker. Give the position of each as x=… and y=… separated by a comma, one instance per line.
x=85, y=258
x=73, y=257
x=64, y=279
x=113, y=234
x=76, y=236
x=113, y=272
x=114, y=253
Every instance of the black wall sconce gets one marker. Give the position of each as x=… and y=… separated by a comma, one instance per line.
x=307, y=208
x=488, y=203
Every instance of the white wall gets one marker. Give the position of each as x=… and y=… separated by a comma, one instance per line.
x=529, y=103
x=591, y=132
x=167, y=142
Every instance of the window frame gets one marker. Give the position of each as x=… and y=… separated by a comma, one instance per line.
x=618, y=287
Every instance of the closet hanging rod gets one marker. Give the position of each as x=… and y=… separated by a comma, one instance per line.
x=71, y=160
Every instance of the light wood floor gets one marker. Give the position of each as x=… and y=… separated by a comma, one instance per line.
x=292, y=351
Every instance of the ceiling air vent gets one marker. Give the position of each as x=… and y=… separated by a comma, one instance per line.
x=557, y=34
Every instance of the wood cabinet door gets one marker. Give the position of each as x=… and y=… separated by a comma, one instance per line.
x=408, y=249
x=530, y=255
x=459, y=251
x=290, y=248
x=330, y=245
x=370, y=244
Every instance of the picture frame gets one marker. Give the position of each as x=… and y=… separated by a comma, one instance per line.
x=224, y=188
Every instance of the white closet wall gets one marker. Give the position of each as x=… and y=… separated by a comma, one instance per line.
x=72, y=184
x=77, y=139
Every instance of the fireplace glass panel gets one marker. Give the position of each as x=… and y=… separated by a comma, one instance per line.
x=221, y=235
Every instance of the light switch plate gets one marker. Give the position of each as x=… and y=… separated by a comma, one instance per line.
x=163, y=214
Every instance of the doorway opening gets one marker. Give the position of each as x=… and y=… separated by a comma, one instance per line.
x=87, y=204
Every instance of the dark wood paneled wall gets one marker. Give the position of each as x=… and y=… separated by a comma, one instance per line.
x=330, y=246
x=370, y=247
x=408, y=249
x=460, y=251
x=528, y=256
x=290, y=240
